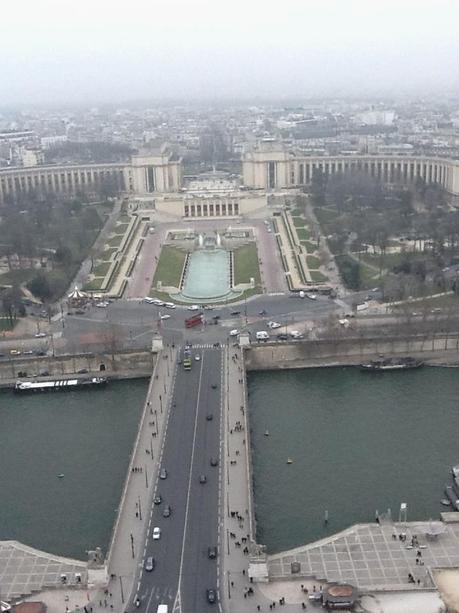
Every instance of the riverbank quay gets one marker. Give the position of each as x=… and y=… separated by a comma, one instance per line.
x=435, y=350
x=114, y=365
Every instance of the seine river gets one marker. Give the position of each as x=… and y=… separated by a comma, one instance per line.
x=358, y=442
x=86, y=435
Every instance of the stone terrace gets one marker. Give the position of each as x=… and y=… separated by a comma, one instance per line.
x=24, y=570
x=368, y=556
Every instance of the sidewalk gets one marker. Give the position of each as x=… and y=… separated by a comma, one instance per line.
x=237, y=521
x=130, y=528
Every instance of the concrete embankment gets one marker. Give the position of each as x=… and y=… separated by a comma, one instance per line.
x=435, y=350
x=116, y=365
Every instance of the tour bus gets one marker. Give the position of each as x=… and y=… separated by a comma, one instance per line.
x=187, y=363
x=162, y=608
x=194, y=320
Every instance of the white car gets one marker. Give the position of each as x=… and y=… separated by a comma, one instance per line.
x=169, y=305
x=197, y=358
x=148, y=300
x=234, y=332
x=273, y=325
x=156, y=533
x=193, y=307
x=157, y=302
x=165, y=316
x=40, y=335
x=102, y=305
x=312, y=296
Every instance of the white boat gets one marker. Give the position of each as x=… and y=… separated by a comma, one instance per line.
x=455, y=470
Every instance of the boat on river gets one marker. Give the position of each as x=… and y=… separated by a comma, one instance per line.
x=390, y=364
x=58, y=385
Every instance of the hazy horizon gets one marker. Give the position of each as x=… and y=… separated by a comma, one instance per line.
x=112, y=52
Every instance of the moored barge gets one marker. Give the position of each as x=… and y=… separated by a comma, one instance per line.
x=57, y=385
x=388, y=364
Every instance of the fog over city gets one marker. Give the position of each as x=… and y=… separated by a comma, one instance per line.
x=70, y=52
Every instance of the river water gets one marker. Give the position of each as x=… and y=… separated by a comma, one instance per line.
x=86, y=435
x=359, y=442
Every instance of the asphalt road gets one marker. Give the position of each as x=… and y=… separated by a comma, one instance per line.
x=134, y=322
x=183, y=571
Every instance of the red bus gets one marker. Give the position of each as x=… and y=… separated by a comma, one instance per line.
x=194, y=320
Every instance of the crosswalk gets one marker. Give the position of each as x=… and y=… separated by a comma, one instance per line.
x=206, y=346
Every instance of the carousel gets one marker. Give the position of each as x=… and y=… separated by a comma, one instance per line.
x=77, y=298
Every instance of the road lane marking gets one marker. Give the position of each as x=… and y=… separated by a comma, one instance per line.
x=190, y=476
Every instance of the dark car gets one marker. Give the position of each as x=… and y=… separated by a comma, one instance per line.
x=213, y=461
x=214, y=386
x=149, y=564
x=167, y=511
x=209, y=417
x=41, y=353
x=82, y=371
x=158, y=499
x=263, y=312
x=44, y=373
x=211, y=596
x=282, y=337
x=234, y=313
x=163, y=474
x=211, y=553
x=22, y=373
x=79, y=312
x=202, y=479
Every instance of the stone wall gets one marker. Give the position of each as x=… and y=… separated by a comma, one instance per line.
x=302, y=354
x=129, y=364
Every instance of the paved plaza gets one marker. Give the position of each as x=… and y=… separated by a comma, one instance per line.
x=24, y=570
x=372, y=556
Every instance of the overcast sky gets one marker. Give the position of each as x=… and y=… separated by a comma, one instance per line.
x=106, y=50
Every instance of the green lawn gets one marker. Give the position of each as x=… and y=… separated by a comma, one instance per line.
x=94, y=285
x=121, y=228
x=298, y=222
x=325, y=217
x=101, y=269
x=317, y=276
x=389, y=260
x=16, y=277
x=310, y=246
x=246, y=264
x=303, y=234
x=115, y=241
x=170, y=266
x=107, y=254
x=313, y=262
